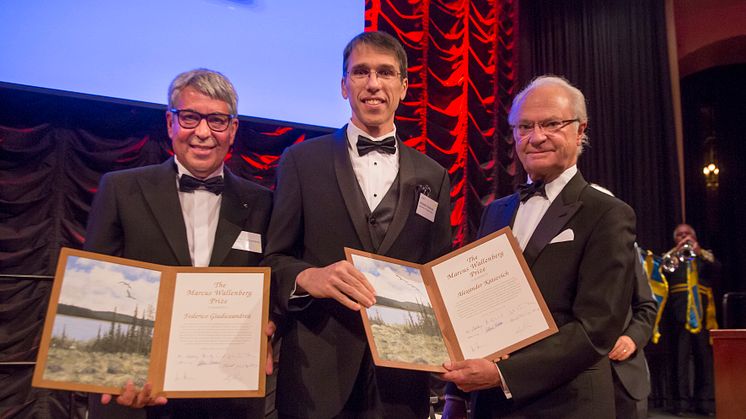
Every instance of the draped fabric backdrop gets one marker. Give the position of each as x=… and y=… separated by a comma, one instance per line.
x=461, y=78
x=616, y=53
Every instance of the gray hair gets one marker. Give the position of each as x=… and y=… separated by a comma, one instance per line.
x=577, y=101
x=684, y=224
x=208, y=82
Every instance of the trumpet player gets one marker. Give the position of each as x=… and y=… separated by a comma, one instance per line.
x=688, y=317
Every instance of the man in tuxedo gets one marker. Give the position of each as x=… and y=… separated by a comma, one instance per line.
x=188, y=211
x=579, y=245
x=359, y=187
x=628, y=364
x=629, y=367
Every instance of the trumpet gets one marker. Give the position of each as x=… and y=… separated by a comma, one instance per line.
x=670, y=261
x=686, y=253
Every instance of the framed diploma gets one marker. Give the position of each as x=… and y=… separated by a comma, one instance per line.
x=480, y=301
x=191, y=332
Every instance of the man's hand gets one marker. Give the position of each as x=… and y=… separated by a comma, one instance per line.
x=623, y=348
x=130, y=397
x=692, y=242
x=270, y=331
x=340, y=281
x=472, y=374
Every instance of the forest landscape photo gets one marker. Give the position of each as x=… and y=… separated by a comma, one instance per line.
x=403, y=322
x=103, y=326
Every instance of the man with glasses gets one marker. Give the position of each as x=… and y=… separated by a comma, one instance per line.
x=579, y=245
x=359, y=187
x=188, y=211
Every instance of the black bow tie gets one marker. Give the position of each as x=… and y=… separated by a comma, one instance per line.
x=214, y=184
x=527, y=190
x=366, y=145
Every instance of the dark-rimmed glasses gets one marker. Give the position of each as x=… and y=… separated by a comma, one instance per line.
x=189, y=119
x=548, y=126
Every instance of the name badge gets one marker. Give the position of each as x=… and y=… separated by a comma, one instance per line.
x=249, y=242
x=426, y=207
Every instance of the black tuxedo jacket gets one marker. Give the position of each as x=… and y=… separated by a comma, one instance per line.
x=317, y=212
x=136, y=214
x=633, y=372
x=587, y=287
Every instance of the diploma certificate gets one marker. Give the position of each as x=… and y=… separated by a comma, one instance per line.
x=190, y=332
x=480, y=301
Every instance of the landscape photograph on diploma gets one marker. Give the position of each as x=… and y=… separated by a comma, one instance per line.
x=103, y=326
x=402, y=321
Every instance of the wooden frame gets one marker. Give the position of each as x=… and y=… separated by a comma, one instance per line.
x=235, y=304
x=458, y=290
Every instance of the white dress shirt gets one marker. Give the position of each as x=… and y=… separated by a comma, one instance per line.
x=527, y=219
x=375, y=171
x=201, y=211
x=530, y=212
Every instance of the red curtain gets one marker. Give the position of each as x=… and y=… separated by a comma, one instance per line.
x=461, y=76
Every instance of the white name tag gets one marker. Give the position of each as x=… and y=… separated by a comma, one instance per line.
x=426, y=207
x=249, y=242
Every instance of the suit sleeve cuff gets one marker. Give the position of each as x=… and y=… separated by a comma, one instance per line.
x=503, y=384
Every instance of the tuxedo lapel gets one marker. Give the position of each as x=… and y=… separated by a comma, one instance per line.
x=501, y=216
x=233, y=211
x=556, y=217
x=162, y=198
x=405, y=202
x=347, y=185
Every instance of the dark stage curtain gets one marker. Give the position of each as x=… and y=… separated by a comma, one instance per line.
x=616, y=53
x=23, y=305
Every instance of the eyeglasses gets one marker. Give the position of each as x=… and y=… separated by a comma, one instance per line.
x=549, y=126
x=217, y=122
x=363, y=73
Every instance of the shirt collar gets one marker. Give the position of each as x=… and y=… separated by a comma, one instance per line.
x=554, y=187
x=181, y=170
x=353, y=131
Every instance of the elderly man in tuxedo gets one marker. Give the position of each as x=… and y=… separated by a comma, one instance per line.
x=579, y=244
x=188, y=211
x=359, y=187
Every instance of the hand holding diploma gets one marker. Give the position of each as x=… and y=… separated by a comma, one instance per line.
x=469, y=375
x=479, y=301
x=340, y=281
x=130, y=397
x=473, y=374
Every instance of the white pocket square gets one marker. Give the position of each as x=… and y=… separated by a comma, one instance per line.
x=248, y=242
x=565, y=236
